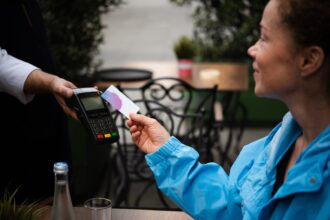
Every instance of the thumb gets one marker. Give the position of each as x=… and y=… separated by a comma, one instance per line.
x=140, y=119
x=66, y=92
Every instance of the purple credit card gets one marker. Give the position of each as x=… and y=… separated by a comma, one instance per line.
x=119, y=101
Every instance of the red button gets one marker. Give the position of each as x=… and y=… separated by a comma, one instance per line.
x=100, y=136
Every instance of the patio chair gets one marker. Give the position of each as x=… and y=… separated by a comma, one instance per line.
x=185, y=111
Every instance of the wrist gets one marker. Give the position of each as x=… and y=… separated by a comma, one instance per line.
x=39, y=82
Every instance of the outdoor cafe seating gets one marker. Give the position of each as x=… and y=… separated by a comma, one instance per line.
x=189, y=108
x=185, y=111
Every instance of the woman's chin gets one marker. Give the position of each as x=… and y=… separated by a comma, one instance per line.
x=264, y=94
x=259, y=92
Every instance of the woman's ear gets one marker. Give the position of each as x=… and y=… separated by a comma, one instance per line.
x=312, y=60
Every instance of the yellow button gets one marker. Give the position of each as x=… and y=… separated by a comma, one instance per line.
x=107, y=135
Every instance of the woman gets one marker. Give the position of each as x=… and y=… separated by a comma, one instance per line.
x=285, y=175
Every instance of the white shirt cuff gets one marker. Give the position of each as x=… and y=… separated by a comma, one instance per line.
x=13, y=73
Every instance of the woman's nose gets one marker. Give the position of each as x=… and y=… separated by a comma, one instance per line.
x=252, y=51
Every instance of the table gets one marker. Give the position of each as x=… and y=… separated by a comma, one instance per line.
x=120, y=74
x=133, y=214
x=231, y=76
x=139, y=214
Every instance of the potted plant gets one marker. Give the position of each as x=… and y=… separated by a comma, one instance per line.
x=223, y=31
x=23, y=211
x=185, y=51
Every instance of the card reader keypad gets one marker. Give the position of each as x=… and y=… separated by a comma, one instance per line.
x=103, y=127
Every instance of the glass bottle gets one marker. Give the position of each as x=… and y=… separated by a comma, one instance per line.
x=62, y=206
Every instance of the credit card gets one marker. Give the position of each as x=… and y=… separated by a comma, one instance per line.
x=119, y=101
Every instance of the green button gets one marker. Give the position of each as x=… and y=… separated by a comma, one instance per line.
x=114, y=134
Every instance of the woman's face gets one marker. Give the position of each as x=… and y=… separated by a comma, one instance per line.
x=275, y=60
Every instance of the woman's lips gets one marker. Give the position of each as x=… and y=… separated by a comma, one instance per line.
x=256, y=74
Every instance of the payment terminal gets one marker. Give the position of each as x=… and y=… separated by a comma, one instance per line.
x=94, y=115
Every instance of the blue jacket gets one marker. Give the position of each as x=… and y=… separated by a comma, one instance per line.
x=205, y=191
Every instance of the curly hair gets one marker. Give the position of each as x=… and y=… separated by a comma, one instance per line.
x=309, y=22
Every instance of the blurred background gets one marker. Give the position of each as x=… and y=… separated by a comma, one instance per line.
x=90, y=35
x=144, y=30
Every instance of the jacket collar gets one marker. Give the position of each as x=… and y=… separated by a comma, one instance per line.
x=307, y=173
x=305, y=176
x=282, y=138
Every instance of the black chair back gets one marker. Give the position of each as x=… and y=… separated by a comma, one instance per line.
x=186, y=112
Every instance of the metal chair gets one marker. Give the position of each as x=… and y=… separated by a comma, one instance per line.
x=231, y=126
x=185, y=99
x=185, y=111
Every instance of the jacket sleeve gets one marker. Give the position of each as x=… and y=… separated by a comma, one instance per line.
x=201, y=190
x=13, y=73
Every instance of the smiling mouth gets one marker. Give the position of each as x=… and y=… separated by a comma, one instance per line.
x=256, y=71
x=254, y=66
x=256, y=74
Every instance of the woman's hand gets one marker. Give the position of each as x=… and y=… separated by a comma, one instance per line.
x=147, y=133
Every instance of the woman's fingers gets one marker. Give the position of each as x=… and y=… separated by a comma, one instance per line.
x=136, y=135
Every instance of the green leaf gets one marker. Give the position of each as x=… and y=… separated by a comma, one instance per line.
x=24, y=211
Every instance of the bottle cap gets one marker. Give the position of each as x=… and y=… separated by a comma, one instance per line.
x=61, y=167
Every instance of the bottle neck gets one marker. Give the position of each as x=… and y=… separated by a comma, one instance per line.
x=61, y=177
x=61, y=187
x=62, y=204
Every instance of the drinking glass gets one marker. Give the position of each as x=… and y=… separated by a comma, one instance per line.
x=98, y=209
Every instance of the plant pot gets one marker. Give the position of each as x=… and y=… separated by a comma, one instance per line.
x=185, y=68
